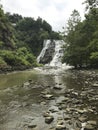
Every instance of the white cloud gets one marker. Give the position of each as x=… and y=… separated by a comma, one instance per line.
x=55, y=12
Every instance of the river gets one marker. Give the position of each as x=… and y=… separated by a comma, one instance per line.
x=24, y=98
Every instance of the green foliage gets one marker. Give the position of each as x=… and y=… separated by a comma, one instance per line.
x=82, y=39
x=18, y=57
x=91, y=4
x=2, y=63
x=13, y=18
x=6, y=35
x=94, y=59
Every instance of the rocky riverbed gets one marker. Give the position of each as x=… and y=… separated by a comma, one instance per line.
x=64, y=100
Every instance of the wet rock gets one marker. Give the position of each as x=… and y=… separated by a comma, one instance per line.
x=89, y=127
x=92, y=122
x=45, y=92
x=82, y=119
x=47, y=96
x=31, y=125
x=75, y=94
x=57, y=87
x=65, y=99
x=76, y=101
x=67, y=118
x=30, y=80
x=26, y=84
x=81, y=111
x=53, y=109
x=43, y=103
x=77, y=124
x=70, y=109
x=95, y=85
x=60, y=126
x=46, y=114
x=49, y=119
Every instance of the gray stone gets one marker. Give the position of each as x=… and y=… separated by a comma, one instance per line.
x=67, y=117
x=92, y=122
x=49, y=119
x=47, y=96
x=60, y=127
x=95, y=85
x=82, y=119
x=81, y=111
x=57, y=87
x=31, y=125
x=46, y=114
x=43, y=103
x=89, y=127
x=26, y=84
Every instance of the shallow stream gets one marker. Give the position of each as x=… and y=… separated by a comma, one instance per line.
x=22, y=102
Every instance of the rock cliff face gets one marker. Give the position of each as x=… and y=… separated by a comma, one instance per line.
x=51, y=53
x=47, y=52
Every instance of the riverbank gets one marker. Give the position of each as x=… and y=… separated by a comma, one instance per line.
x=9, y=69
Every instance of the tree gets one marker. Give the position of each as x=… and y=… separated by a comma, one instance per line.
x=13, y=18
x=6, y=31
x=72, y=53
x=73, y=21
x=91, y=4
x=82, y=39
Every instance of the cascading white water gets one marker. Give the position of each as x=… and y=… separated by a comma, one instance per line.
x=53, y=49
x=58, y=54
x=45, y=47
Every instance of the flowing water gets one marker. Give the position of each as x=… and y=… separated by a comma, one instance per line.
x=21, y=103
x=56, y=61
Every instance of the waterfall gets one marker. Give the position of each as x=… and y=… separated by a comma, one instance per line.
x=51, y=53
x=47, y=52
x=58, y=54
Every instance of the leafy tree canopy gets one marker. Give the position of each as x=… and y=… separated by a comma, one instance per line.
x=81, y=49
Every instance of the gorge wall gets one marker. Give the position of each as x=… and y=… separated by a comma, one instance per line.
x=51, y=53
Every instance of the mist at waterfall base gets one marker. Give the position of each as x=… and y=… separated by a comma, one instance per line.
x=52, y=53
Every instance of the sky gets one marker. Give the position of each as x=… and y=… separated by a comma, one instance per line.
x=55, y=12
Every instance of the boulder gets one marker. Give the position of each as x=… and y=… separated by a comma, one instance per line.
x=89, y=127
x=95, y=85
x=31, y=125
x=60, y=127
x=47, y=96
x=49, y=119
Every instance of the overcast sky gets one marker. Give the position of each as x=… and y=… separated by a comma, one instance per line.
x=55, y=12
